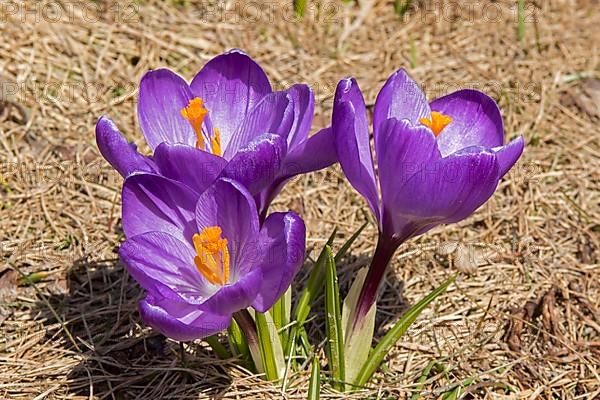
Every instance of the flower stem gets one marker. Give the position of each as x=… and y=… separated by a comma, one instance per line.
x=386, y=246
x=247, y=325
x=248, y=328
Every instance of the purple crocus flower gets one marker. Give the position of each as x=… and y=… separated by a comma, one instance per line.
x=227, y=119
x=202, y=258
x=437, y=162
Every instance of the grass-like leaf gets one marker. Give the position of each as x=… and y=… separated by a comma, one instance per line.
x=313, y=286
x=239, y=345
x=401, y=6
x=271, y=352
x=333, y=322
x=396, y=332
x=521, y=20
x=281, y=314
x=218, y=348
x=346, y=246
x=421, y=381
x=299, y=7
x=358, y=338
x=314, y=386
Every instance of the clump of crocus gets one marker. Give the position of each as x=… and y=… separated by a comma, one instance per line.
x=228, y=121
x=437, y=162
x=202, y=257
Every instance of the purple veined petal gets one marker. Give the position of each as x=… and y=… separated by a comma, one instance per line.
x=122, y=155
x=231, y=85
x=257, y=165
x=181, y=321
x=447, y=190
x=509, y=154
x=400, y=98
x=303, y=100
x=164, y=266
x=236, y=295
x=228, y=205
x=351, y=132
x=317, y=152
x=402, y=150
x=283, y=244
x=155, y=203
x=266, y=196
x=476, y=121
x=195, y=168
x=163, y=94
x=273, y=114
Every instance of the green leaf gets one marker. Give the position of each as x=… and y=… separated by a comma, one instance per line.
x=304, y=342
x=300, y=7
x=421, y=381
x=396, y=332
x=314, y=385
x=290, y=359
x=307, y=298
x=32, y=278
x=401, y=6
x=521, y=20
x=358, y=339
x=271, y=352
x=456, y=393
x=217, y=347
x=333, y=322
x=281, y=314
x=239, y=345
x=413, y=53
x=313, y=287
x=346, y=246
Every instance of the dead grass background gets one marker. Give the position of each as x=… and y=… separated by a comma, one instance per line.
x=523, y=315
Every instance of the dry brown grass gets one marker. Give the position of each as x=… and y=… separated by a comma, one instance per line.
x=76, y=333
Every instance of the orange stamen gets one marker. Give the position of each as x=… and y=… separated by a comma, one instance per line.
x=212, y=259
x=195, y=112
x=437, y=122
x=216, y=143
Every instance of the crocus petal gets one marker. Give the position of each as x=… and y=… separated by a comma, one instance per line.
x=196, y=168
x=509, y=154
x=317, y=152
x=476, y=121
x=162, y=95
x=447, y=190
x=155, y=203
x=228, y=205
x=123, y=156
x=351, y=131
x=256, y=165
x=231, y=85
x=282, y=240
x=400, y=98
x=303, y=100
x=235, y=296
x=402, y=150
x=164, y=265
x=273, y=114
x=181, y=321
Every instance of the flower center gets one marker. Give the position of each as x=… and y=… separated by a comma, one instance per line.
x=195, y=112
x=212, y=259
x=437, y=122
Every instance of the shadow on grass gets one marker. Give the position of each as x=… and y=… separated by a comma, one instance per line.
x=120, y=357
